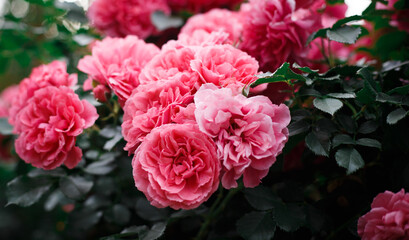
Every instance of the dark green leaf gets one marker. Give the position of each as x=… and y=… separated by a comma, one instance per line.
x=92, y=154
x=25, y=192
x=103, y=166
x=325, y=125
x=261, y=198
x=322, y=33
x=342, y=139
x=396, y=116
x=256, y=226
x=86, y=218
x=53, y=200
x=75, y=187
x=318, y=143
x=5, y=127
x=111, y=143
x=368, y=127
x=309, y=92
x=346, y=122
x=282, y=74
x=148, y=212
x=118, y=214
x=341, y=22
x=298, y=127
x=304, y=69
x=384, y=98
x=289, y=217
x=157, y=230
x=350, y=159
x=367, y=94
x=58, y=172
x=368, y=142
x=342, y=95
x=162, y=21
x=345, y=34
x=299, y=114
x=401, y=90
x=328, y=105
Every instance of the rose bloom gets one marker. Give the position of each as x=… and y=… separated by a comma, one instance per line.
x=151, y=106
x=225, y=66
x=52, y=74
x=176, y=166
x=275, y=32
x=7, y=97
x=116, y=63
x=201, y=5
x=200, y=38
x=388, y=218
x=216, y=20
x=400, y=17
x=125, y=17
x=48, y=126
x=173, y=62
x=249, y=132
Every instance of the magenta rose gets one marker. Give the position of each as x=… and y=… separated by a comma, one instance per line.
x=249, y=132
x=116, y=63
x=216, y=20
x=201, y=5
x=151, y=106
x=275, y=32
x=201, y=38
x=176, y=166
x=388, y=218
x=52, y=74
x=125, y=17
x=7, y=97
x=225, y=66
x=48, y=126
x=173, y=62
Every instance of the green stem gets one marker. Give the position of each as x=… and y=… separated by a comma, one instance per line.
x=354, y=112
x=216, y=209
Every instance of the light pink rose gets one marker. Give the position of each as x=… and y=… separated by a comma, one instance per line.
x=117, y=63
x=201, y=5
x=225, y=66
x=120, y=18
x=275, y=32
x=151, y=106
x=53, y=74
x=216, y=20
x=388, y=218
x=173, y=62
x=7, y=97
x=249, y=132
x=48, y=126
x=201, y=38
x=176, y=166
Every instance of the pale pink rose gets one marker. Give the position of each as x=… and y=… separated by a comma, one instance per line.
x=275, y=32
x=201, y=38
x=7, y=97
x=150, y=106
x=388, y=218
x=201, y=5
x=216, y=20
x=176, y=166
x=116, y=63
x=53, y=74
x=120, y=18
x=48, y=126
x=225, y=66
x=249, y=132
x=173, y=62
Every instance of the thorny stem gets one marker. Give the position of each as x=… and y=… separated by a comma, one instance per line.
x=216, y=209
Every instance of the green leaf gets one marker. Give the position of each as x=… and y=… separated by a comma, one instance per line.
x=53, y=200
x=367, y=75
x=328, y=105
x=282, y=74
x=157, y=230
x=345, y=34
x=75, y=187
x=341, y=22
x=256, y=226
x=342, y=139
x=368, y=142
x=118, y=214
x=289, y=217
x=342, y=95
x=261, y=198
x=25, y=192
x=162, y=21
x=103, y=166
x=384, y=98
x=298, y=127
x=368, y=127
x=367, y=94
x=5, y=127
x=350, y=159
x=58, y=172
x=318, y=143
x=305, y=69
x=148, y=212
x=401, y=90
x=318, y=34
x=396, y=115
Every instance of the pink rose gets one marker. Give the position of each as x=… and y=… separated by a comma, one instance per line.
x=225, y=66
x=201, y=38
x=48, y=125
x=275, y=32
x=117, y=63
x=151, y=106
x=125, y=17
x=201, y=5
x=173, y=62
x=249, y=132
x=388, y=218
x=7, y=97
x=216, y=20
x=176, y=166
x=53, y=74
